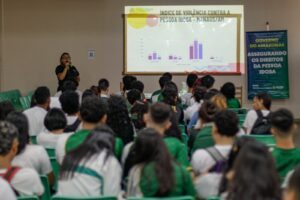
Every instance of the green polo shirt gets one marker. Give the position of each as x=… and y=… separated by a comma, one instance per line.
x=233, y=103
x=204, y=138
x=78, y=138
x=286, y=160
x=183, y=183
x=177, y=149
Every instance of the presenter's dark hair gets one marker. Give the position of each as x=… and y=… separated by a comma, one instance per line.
x=62, y=55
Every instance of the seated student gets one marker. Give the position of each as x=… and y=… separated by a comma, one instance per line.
x=228, y=90
x=103, y=86
x=70, y=105
x=138, y=85
x=118, y=118
x=55, y=123
x=37, y=113
x=6, y=191
x=91, y=169
x=194, y=121
x=207, y=81
x=253, y=175
x=261, y=105
x=187, y=97
x=159, y=118
x=127, y=84
x=138, y=111
x=6, y=107
x=25, y=182
x=198, y=95
x=29, y=155
x=214, y=182
x=168, y=75
x=88, y=93
x=286, y=155
x=69, y=86
x=95, y=89
x=156, y=96
x=207, y=113
x=226, y=126
x=155, y=174
x=93, y=111
x=170, y=97
x=292, y=191
x=133, y=95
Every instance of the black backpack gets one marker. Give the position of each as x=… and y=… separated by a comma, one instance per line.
x=262, y=125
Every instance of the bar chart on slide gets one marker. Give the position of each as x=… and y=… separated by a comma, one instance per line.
x=196, y=51
x=154, y=56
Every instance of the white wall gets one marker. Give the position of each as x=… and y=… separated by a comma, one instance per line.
x=36, y=32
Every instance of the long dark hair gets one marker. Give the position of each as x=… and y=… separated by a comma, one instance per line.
x=170, y=94
x=238, y=144
x=137, y=111
x=174, y=130
x=150, y=148
x=255, y=176
x=118, y=118
x=101, y=139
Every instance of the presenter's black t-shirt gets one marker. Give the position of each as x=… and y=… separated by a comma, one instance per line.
x=71, y=75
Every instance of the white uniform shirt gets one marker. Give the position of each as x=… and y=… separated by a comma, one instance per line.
x=26, y=182
x=34, y=157
x=187, y=99
x=100, y=176
x=60, y=149
x=202, y=160
x=35, y=116
x=71, y=119
x=55, y=103
x=251, y=118
x=48, y=139
x=6, y=192
x=207, y=185
x=191, y=110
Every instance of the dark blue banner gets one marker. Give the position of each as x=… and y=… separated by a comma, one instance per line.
x=267, y=63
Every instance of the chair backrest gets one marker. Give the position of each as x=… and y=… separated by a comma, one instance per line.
x=25, y=102
x=28, y=198
x=83, y=198
x=55, y=169
x=13, y=96
x=166, y=198
x=47, y=193
x=268, y=140
x=33, y=139
x=239, y=94
x=213, y=198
